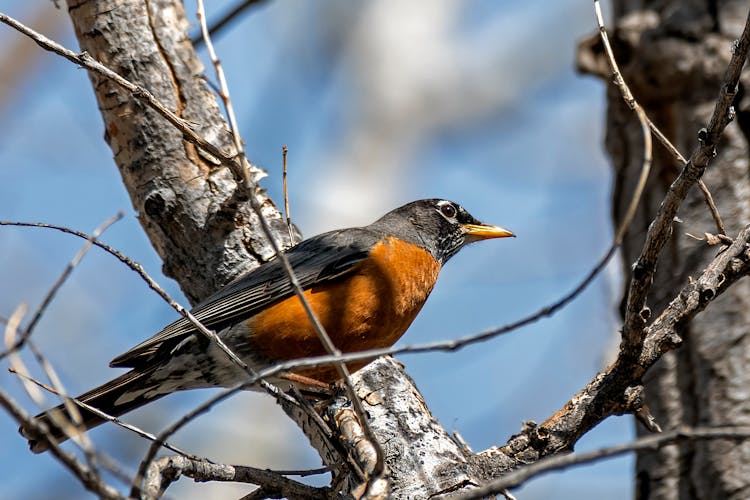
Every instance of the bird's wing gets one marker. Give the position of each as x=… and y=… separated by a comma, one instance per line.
x=320, y=259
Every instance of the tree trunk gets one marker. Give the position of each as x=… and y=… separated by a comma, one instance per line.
x=673, y=55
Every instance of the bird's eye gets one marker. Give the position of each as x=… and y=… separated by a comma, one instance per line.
x=448, y=211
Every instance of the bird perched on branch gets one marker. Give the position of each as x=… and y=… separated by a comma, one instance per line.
x=365, y=285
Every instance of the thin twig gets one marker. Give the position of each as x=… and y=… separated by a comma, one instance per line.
x=712, y=207
x=602, y=395
x=627, y=96
x=89, y=476
x=90, y=240
x=152, y=284
x=226, y=99
x=643, y=177
x=244, y=175
x=303, y=473
x=143, y=467
x=14, y=344
x=93, y=456
x=72, y=424
x=15, y=361
x=155, y=287
x=75, y=417
x=109, y=418
x=77, y=468
x=287, y=213
x=141, y=272
x=341, y=367
x=326, y=360
x=233, y=13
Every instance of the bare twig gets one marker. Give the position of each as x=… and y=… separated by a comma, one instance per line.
x=63, y=277
x=83, y=473
x=662, y=329
x=109, y=418
x=326, y=360
x=627, y=96
x=287, y=213
x=70, y=426
x=607, y=393
x=134, y=266
x=245, y=174
x=152, y=284
x=159, y=441
x=142, y=273
x=226, y=99
x=558, y=462
x=341, y=367
x=712, y=207
x=305, y=472
x=643, y=177
x=13, y=344
x=233, y=14
x=75, y=416
x=58, y=419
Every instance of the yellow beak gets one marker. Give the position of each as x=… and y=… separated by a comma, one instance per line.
x=486, y=231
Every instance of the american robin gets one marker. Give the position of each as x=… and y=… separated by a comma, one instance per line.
x=365, y=284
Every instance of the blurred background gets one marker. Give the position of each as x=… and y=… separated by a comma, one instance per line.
x=380, y=102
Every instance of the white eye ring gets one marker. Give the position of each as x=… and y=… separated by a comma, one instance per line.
x=448, y=210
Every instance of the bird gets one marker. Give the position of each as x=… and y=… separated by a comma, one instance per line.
x=365, y=285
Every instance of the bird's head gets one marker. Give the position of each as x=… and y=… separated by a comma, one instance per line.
x=440, y=226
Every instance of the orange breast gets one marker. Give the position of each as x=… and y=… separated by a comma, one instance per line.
x=369, y=308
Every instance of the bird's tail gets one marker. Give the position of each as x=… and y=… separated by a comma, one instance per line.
x=117, y=397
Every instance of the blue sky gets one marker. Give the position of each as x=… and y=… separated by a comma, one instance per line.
x=380, y=103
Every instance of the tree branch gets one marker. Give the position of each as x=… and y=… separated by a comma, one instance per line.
x=559, y=462
x=162, y=472
x=660, y=229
